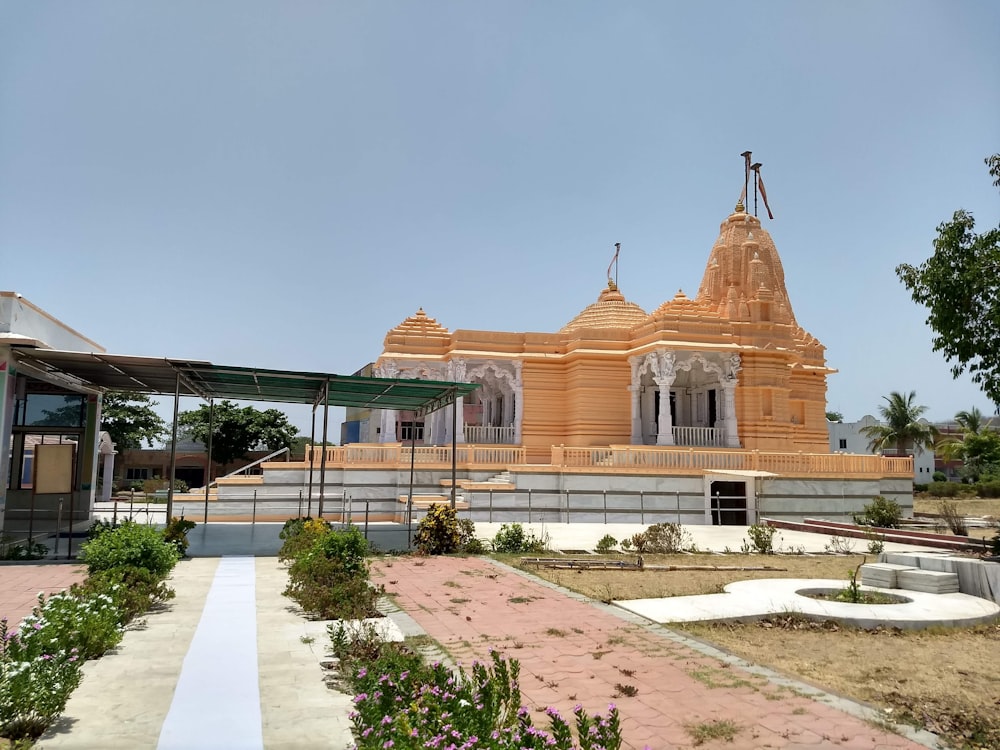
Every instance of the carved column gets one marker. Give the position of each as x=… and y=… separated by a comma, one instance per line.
x=456, y=372
x=635, y=388
x=665, y=379
x=729, y=380
x=518, y=401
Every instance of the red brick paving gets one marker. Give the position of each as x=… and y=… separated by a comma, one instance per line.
x=572, y=652
x=20, y=584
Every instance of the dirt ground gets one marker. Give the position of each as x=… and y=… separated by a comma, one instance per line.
x=977, y=507
x=605, y=585
x=945, y=680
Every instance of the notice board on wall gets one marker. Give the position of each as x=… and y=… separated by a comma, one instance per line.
x=53, y=468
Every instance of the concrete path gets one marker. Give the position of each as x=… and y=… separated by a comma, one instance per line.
x=20, y=584
x=126, y=696
x=748, y=600
x=573, y=650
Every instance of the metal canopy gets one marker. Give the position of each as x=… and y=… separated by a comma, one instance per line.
x=123, y=372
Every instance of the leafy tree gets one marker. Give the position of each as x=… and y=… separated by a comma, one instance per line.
x=834, y=416
x=238, y=430
x=960, y=286
x=901, y=427
x=978, y=445
x=130, y=420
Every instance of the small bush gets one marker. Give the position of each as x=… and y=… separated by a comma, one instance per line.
x=939, y=476
x=988, y=489
x=21, y=550
x=87, y=624
x=133, y=590
x=512, y=539
x=468, y=542
x=176, y=533
x=880, y=512
x=918, y=487
x=944, y=489
x=948, y=510
x=761, y=539
x=666, y=538
x=300, y=535
x=130, y=545
x=325, y=591
x=606, y=543
x=347, y=546
x=437, y=533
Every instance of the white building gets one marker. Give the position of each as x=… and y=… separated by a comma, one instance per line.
x=847, y=437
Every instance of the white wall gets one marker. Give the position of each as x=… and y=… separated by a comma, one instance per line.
x=846, y=437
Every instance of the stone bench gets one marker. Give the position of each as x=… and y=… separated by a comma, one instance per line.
x=894, y=576
x=881, y=575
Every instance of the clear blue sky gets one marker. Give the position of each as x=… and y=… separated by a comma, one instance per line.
x=280, y=183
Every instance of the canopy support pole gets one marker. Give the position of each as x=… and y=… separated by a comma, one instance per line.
x=312, y=457
x=173, y=451
x=208, y=462
x=454, y=440
x=322, y=461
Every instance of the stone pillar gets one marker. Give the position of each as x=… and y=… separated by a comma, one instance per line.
x=460, y=419
x=109, y=473
x=729, y=420
x=518, y=402
x=636, y=391
x=665, y=426
x=389, y=426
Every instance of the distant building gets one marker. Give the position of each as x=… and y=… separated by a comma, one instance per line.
x=847, y=437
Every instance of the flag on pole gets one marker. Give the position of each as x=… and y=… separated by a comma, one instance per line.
x=618, y=248
x=763, y=194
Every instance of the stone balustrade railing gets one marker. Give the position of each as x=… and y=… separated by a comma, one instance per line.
x=619, y=459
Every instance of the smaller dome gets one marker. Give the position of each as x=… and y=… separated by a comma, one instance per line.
x=419, y=326
x=611, y=310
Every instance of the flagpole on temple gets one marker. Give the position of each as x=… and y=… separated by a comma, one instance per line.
x=756, y=169
x=746, y=173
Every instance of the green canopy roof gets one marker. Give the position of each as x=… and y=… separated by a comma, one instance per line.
x=123, y=372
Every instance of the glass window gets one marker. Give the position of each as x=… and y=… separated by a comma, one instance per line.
x=54, y=410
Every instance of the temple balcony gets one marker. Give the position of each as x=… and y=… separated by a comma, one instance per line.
x=479, y=434
x=699, y=437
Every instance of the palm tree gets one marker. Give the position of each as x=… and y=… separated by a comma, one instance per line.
x=901, y=426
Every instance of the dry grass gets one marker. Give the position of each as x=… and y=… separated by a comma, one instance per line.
x=605, y=585
x=945, y=680
x=983, y=507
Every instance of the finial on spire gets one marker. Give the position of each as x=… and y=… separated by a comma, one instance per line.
x=613, y=283
x=739, y=206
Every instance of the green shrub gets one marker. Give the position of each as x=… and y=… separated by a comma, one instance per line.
x=944, y=489
x=130, y=545
x=988, y=489
x=437, y=533
x=300, y=535
x=918, y=487
x=34, y=687
x=21, y=550
x=325, y=591
x=133, y=590
x=89, y=624
x=666, y=539
x=468, y=542
x=881, y=512
x=761, y=539
x=939, y=476
x=606, y=543
x=347, y=546
x=512, y=539
x=176, y=533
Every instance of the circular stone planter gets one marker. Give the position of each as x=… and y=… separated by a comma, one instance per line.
x=829, y=595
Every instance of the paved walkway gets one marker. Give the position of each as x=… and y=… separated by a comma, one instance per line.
x=186, y=681
x=183, y=682
x=573, y=651
x=20, y=584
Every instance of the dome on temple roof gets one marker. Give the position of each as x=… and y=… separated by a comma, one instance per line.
x=611, y=310
x=418, y=326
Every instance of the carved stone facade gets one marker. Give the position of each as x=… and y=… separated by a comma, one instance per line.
x=729, y=369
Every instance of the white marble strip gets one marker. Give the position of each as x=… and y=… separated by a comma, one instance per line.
x=217, y=700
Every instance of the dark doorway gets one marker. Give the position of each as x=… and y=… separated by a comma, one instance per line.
x=713, y=410
x=193, y=476
x=729, y=503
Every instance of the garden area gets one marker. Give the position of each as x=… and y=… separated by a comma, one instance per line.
x=41, y=658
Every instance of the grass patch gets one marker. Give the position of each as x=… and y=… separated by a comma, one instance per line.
x=717, y=729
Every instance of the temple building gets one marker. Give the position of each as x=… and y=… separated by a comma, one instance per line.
x=705, y=410
x=730, y=368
